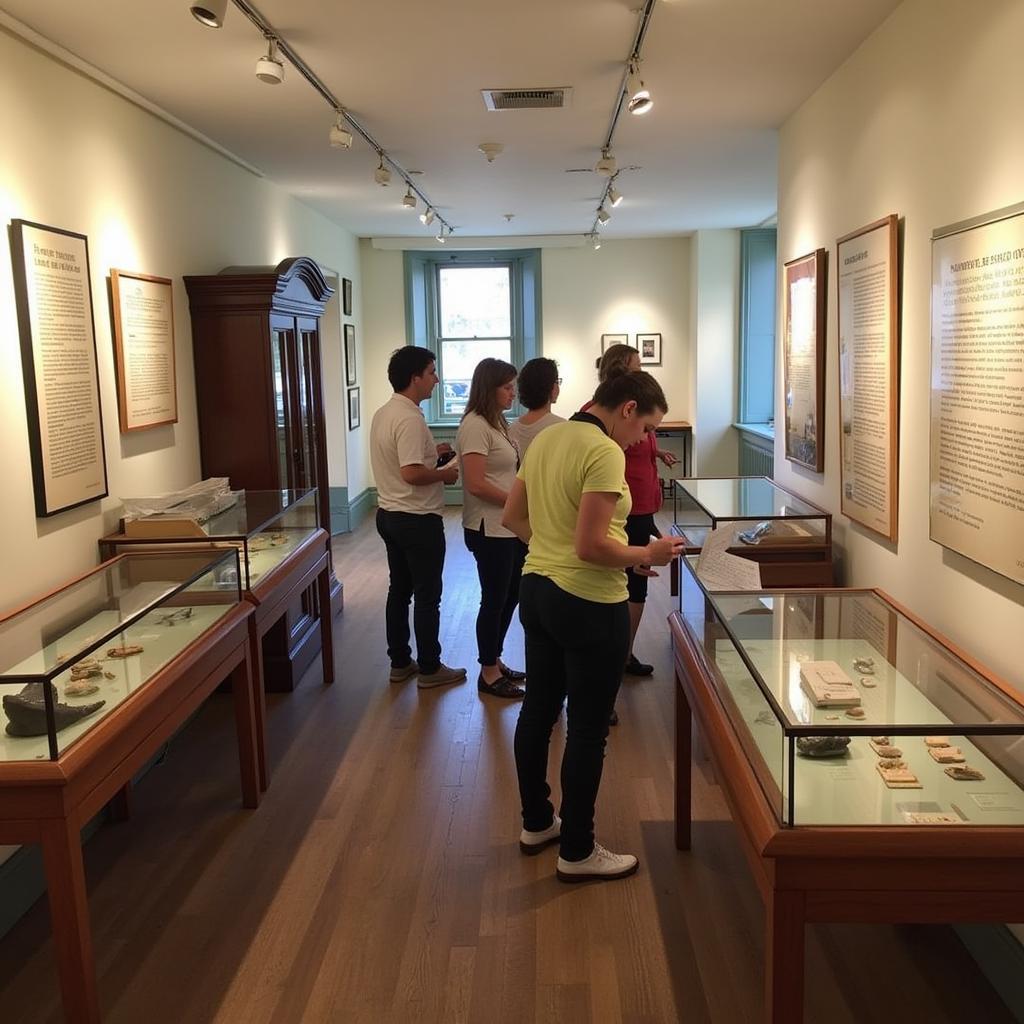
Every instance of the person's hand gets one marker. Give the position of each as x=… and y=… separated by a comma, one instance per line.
x=443, y=449
x=663, y=550
x=669, y=458
x=644, y=570
x=450, y=473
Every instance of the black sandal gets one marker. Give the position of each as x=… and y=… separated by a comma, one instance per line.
x=501, y=687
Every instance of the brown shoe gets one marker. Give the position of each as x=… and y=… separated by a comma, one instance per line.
x=399, y=675
x=444, y=676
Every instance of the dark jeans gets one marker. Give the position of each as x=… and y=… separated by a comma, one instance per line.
x=639, y=531
x=415, y=546
x=499, y=565
x=575, y=649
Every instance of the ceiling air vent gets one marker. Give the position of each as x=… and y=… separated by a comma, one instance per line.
x=527, y=99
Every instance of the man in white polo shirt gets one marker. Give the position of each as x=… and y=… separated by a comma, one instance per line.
x=410, y=500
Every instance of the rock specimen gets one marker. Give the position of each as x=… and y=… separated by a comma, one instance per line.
x=822, y=746
x=26, y=711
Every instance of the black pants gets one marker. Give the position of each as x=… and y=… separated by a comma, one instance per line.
x=575, y=649
x=639, y=531
x=499, y=565
x=415, y=546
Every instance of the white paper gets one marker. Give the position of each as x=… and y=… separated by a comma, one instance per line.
x=718, y=570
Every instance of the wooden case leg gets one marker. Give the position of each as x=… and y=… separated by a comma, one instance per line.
x=121, y=803
x=69, y=911
x=259, y=703
x=323, y=582
x=684, y=724
x=242, y=690
x=784, y=957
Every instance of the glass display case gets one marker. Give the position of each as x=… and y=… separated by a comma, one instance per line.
x=265, y=526
x=789, y=537
x=70, y=659
x=851, y=713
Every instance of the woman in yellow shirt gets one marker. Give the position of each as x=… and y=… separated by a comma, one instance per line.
x=569, y=503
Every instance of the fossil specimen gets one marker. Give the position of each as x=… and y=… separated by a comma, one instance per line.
x=26, y=711
x=964, y=773
x=822, y=746
x=80, y=688
x=125, y=652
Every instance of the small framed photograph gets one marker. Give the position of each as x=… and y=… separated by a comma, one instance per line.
x=346, y=296
x=607, y=340
x=353, y=408
x=649, y=347
x=350, y=355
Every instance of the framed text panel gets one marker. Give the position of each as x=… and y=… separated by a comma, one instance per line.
x=976, y=466
x=868, y=300
x=58, y=359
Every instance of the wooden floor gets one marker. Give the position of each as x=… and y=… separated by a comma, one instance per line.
x=381, y=880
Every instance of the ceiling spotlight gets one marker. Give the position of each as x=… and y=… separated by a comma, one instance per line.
x=270, y=69
x=409, y=200
x=595, y=240
x=606, y=165
x=427, y=216
x=382, y=175
x=640, y=96
x=339, y=136
x=439, y=237
x=614, y=196
x=490, y=150
x=209, y=12
x=603, y=215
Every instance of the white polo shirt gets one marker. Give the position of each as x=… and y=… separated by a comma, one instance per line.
x=501, y=460
x=399, y=436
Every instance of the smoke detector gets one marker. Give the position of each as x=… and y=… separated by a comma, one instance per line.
x=490, y=150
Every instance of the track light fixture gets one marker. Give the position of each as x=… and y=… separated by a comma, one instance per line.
x=339, y=136
x=382, y=175
x=209, y=12
x=640, y=101
x=614, y=196
x=439, y=237
x=270, y=69
x=603, y=215
x=606, y=165
x=595, y=240
x=427, y=216
x=409, y=200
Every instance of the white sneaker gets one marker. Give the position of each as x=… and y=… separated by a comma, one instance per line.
x=533, y=842
x=601, y=865
x=444, y=676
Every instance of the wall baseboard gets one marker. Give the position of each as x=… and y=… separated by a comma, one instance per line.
x=340, y=511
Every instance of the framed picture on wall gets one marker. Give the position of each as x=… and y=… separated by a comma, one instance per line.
x=53, y=298
x=804, y=358
x=353, y=408
x=607, y=340
x=346, y=296
x=350, y=355
x=649, y=347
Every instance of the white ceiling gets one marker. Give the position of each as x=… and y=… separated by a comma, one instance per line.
x=724, y=74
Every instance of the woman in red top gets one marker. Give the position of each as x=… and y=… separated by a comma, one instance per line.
x=645, y=491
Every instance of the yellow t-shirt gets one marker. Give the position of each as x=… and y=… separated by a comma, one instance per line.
x=563, y=463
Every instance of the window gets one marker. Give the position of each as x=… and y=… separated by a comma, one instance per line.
x=468, y=306
x=758, y=280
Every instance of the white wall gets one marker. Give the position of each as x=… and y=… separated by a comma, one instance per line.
x=923, y=121
x=715, y=285
x=150, y=199
x=637, y=285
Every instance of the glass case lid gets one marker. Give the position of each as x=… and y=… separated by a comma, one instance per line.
x=903, y=678
x=754, y=497
x=42, y=639
x=253, y=512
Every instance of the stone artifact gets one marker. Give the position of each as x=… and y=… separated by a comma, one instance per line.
x=110, y=675
x=828, y=685
x=125, y=652
x=855, y=713
x=868, y=683
x=26, y=711
x=865, y=666
x=80, y=688
x=937, y=741
x=86, y=669
x=882, y=741
x=886, y=750
x=898, y=778
x=832, y=718
x=265, y=541
x=946, y=755
x=964, y=773
x=822, y=746
x=892, y=764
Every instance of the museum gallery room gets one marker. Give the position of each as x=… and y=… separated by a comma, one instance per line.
x=320, y=691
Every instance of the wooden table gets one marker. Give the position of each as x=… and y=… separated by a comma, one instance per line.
x=677, y=429
x=877, y=874
x=48, y=802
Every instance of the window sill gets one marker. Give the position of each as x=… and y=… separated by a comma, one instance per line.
x=766, y=431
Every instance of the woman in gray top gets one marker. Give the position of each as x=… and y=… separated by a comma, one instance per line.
x=539, y=385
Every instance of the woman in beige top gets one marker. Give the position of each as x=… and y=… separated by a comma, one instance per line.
x=539, y=385
x=489, y=460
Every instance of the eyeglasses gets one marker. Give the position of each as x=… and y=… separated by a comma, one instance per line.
x=558, y=380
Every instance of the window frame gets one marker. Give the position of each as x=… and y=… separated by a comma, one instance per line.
x=758, y=259
x=423, y=312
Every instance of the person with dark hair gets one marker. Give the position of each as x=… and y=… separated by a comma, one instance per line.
x=570, y=503
x=539, y=385
x=410, y=500
x=489, y=459
x=645, y=491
